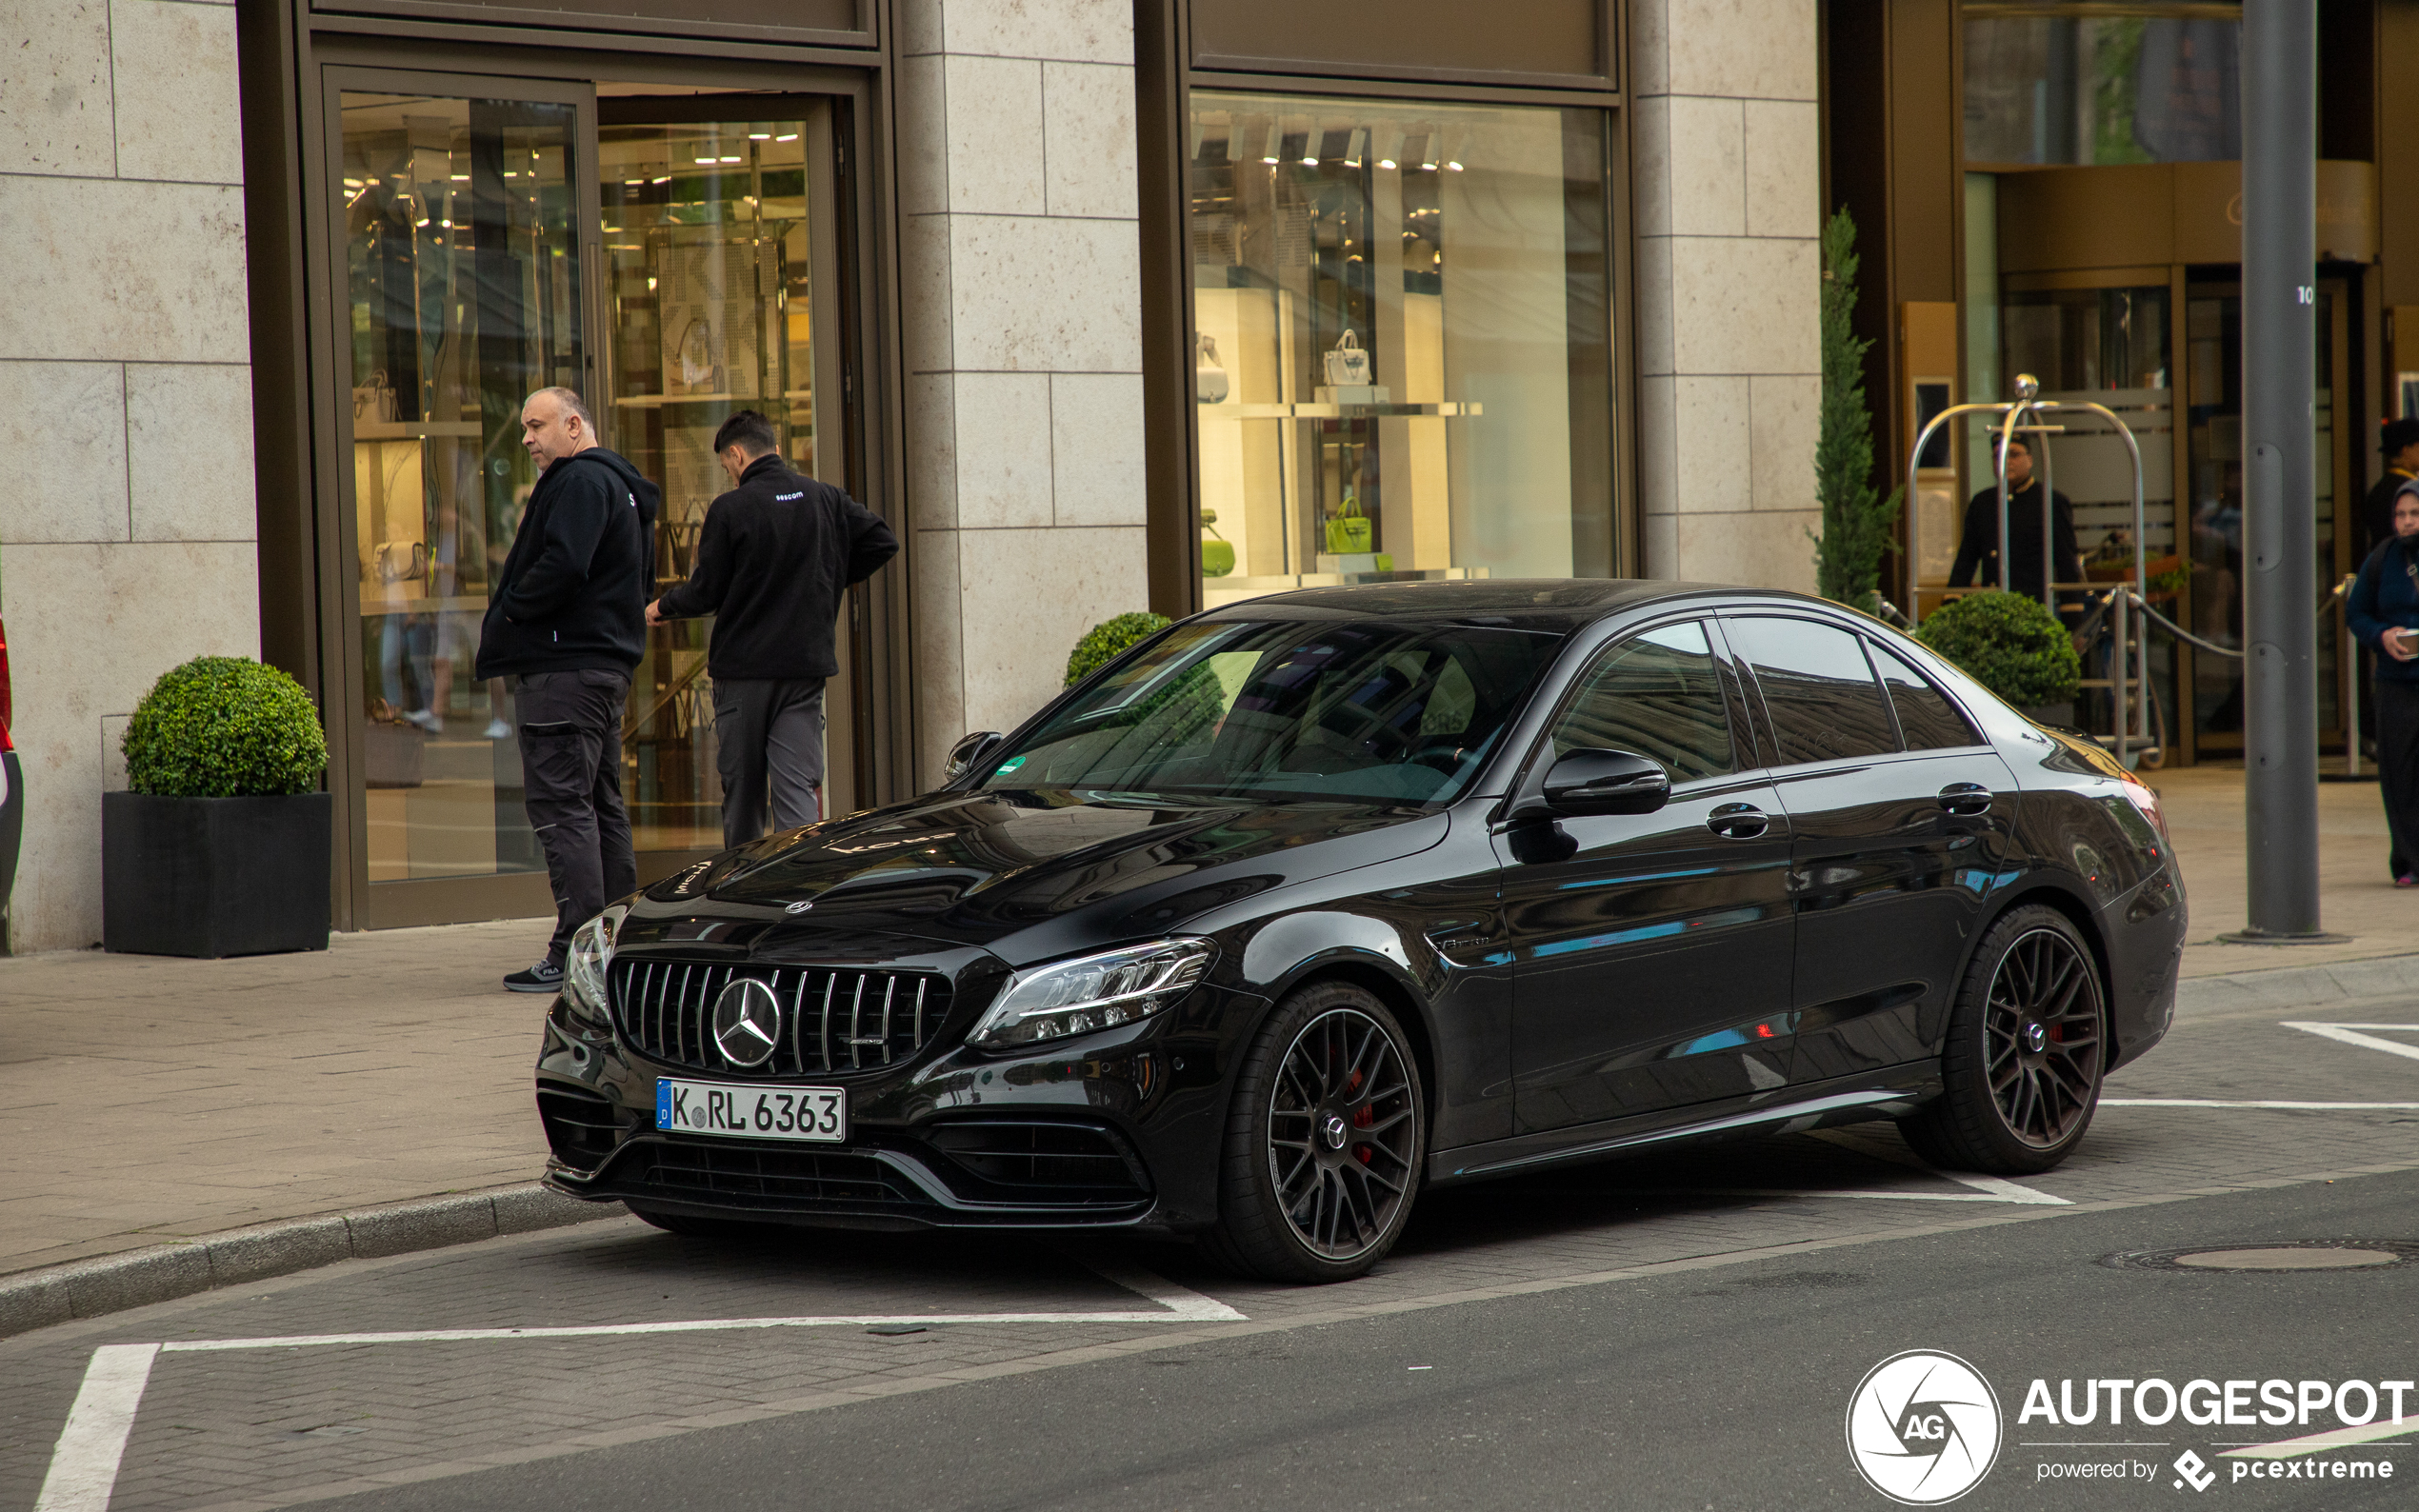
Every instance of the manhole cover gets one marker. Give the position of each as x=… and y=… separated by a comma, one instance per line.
x=2307, y=1254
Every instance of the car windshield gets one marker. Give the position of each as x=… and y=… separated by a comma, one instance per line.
x=1374, y=711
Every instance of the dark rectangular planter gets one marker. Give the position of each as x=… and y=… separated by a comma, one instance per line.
x=214, y=877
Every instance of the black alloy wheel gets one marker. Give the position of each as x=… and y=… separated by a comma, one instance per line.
x=2027, y=1045
x=1324, y=1141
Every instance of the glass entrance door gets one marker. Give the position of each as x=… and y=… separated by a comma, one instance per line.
x=458, y=255
x=713, y=228
x=2213, y=366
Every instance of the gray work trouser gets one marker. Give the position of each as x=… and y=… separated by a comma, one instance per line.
x=767, y=736
x=571, y=733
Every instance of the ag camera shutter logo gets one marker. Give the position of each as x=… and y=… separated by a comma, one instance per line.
x=1923, y=1427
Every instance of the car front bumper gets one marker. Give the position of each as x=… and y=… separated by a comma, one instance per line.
x=1113, y=1129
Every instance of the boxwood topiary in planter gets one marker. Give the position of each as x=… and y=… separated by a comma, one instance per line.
x=221, y=849
x=2009, y=644
x=1108, y=640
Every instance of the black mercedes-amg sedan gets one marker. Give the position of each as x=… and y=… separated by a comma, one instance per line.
x=1311, y=902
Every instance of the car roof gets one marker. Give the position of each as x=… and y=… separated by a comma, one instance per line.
x=1560, y=605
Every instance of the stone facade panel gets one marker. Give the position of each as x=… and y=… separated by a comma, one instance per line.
x=188, y=449
x=1045, y=295
x=1036, y=594
x=1095, y=453
x=1087, y=110
x=54, y=89
x=96, y=273
x=994, y=133
x=1003, y=447
x=1783, y=163
x=177, y=116
x=63, y=431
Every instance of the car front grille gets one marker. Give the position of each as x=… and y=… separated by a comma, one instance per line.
x=745, y=1176
x=835, y=1020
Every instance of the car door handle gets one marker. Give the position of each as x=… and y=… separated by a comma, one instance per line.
x=1738, y=822
x=1970, y=799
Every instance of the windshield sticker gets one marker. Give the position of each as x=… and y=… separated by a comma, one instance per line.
x=1009, y=766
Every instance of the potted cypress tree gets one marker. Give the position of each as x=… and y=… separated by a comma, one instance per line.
x=221, y=846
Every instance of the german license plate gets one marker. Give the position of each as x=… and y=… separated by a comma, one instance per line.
x=819, y=1113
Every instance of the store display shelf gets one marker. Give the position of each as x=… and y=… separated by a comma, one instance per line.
x=1335, y=412
x=659, y=401
x=416, y=429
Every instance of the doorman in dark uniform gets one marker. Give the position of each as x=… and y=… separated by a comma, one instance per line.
x=2399, y=441
x=1978, y=550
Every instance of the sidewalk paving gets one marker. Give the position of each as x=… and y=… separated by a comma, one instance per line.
x=147, y=1100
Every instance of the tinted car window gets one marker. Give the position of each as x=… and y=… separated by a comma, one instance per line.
x=1382, y=711
x=1818, y=689
x=1926, y=717
x=1656, y=694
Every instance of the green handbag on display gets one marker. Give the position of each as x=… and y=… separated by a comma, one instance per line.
x=1217, y=553
x=1348, y=529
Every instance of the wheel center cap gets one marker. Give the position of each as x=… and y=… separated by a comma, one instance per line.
x=1335, y=1131
x=2037, y=1039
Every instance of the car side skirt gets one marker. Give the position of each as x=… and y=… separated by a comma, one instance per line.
x=1893, y=1093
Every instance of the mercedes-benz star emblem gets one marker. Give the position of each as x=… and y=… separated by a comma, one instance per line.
x=800, y=906
x=747, y=1021
x=1333, y=1131
x=2037, y=1039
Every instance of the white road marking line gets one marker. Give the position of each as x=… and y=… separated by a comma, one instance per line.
x=1878, y=1194
x=2342, y=1033
x=2008, y=1192
x=2332, y=1439
x=1183, y=1302
x=2206, y=1101
x=83, y=1467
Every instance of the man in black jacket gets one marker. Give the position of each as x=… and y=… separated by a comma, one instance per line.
x=774, y=557
x=1978, y=550
x=566, y=621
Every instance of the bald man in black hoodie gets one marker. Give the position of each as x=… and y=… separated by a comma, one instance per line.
x=567, y=622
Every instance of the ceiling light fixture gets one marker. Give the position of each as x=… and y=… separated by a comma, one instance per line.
x=760, y=136
x=1456, y=166
x=666, y=179
x=706, y=160
x=1385, y=162
x=791, y=137
x=730, y=160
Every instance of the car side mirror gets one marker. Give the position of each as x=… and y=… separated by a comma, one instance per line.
x=969, y=751
x=1605, y=782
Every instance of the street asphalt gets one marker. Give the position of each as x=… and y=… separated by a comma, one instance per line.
x=1684, y=1330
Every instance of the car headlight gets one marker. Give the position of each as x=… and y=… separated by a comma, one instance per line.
x=584, y=969
x=1093, y=992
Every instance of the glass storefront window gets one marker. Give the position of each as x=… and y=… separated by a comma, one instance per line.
x=463, y=269
x=2089, y=87
x=2107, y=347
x=707, y=261
x=1404, y=350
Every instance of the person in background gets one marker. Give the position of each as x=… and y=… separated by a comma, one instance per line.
x=1978, y=548
x=566, y=623
x=774, y=558
x=2399, y=441
x=2384, y=615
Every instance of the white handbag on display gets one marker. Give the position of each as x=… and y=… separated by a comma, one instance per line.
x=1208, y=375
x=1348, y=366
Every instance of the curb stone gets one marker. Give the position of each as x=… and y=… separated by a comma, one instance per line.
x=108, y=1283
x=2300, y=986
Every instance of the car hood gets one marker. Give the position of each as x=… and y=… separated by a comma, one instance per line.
x=1034, y=874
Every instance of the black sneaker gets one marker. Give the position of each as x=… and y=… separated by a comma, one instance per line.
x=547, y=976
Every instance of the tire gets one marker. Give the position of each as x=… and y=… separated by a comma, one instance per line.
x=2025, y=1051
x=1323, y=1143
x=684, y=1225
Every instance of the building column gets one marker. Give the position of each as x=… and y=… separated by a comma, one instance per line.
x=127, y=527
x=1726, y=182
x=1022, y=302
